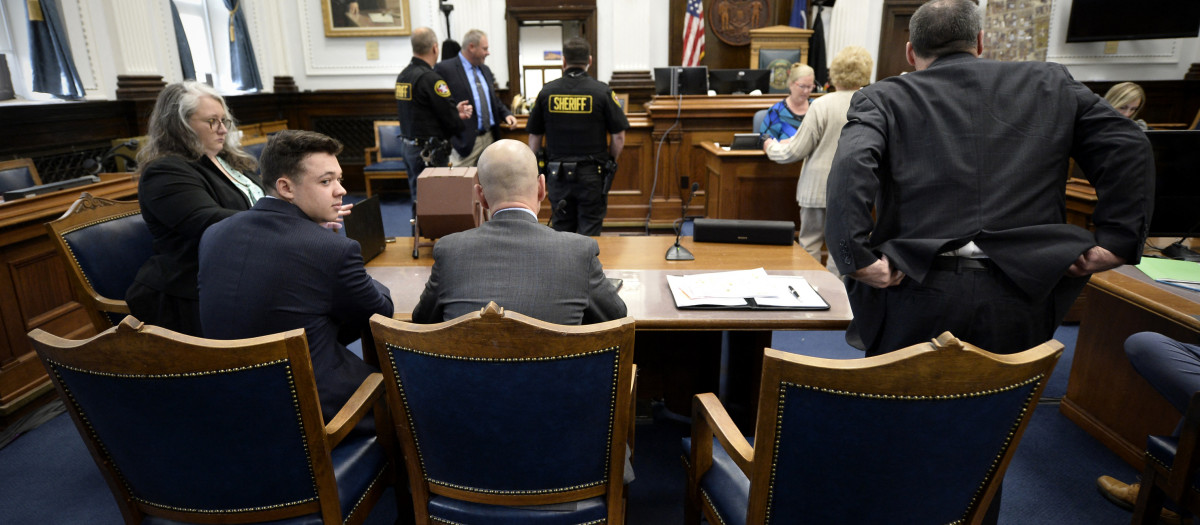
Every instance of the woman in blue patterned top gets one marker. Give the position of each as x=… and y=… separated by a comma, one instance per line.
x=783, y=119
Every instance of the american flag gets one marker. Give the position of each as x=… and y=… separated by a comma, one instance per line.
x=799, y=14
x=693, y=33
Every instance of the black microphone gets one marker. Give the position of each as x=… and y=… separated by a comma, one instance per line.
x=677, y=252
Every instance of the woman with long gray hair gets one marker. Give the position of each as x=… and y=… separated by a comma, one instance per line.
x=194, y=173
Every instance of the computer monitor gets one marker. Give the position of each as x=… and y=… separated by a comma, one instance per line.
x=679, y=80
x=739, y=81
x=1176, y=184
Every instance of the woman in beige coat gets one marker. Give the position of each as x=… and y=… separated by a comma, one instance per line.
x=817, y=140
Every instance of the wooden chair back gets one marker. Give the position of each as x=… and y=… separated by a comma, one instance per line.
x=920, y=435
x=272, y=127
x=501, y=409
x=205, y=431
x=17, y=174
x=104, y=243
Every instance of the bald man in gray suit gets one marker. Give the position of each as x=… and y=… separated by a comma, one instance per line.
x=513, y=259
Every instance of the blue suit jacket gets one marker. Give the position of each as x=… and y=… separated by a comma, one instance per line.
x=523, y=266
x=272, y=269
x=455, y=75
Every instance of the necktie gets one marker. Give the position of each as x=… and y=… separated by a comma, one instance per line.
x=485, y=112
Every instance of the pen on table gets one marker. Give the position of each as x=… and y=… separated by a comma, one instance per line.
x=793, y=290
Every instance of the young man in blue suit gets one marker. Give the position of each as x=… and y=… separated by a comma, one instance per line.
x=277, y=267
x=469, y=79
x=522, y=265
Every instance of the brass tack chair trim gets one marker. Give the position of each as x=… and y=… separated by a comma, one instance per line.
x=417, y=441
x=55, y=365
x=89, y=224
x=784, y=385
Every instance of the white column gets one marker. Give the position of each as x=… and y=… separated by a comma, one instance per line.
x=626, y=28
x=143, y=39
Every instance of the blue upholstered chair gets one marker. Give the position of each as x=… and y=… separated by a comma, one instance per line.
x=186, y=429
x=255, y=146
x=386, y=159
x=507, y=419
x=104, y=243
x=18, y=174
x=759, y=116
x=920, y=435
x=1172, y=465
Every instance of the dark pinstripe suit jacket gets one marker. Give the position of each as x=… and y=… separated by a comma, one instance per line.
x=523, y=266
x=272, y=269
x=977, y=150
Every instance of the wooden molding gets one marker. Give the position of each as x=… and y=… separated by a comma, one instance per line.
x=139, y=87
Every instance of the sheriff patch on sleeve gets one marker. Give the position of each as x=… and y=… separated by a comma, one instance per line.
x=570, y=103
x=442, y=89
x=403, y=91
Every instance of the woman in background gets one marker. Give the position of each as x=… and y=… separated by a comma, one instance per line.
x=194, y=173
x=1128, y=99
x=816, y=141
x=783, y=119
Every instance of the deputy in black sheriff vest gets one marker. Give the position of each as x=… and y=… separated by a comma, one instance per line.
x=428, y=115
x=576, y=113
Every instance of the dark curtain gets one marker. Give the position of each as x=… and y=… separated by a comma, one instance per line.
x=53, y=67
x=241, y=53
x=816, y=50
x=181, y=41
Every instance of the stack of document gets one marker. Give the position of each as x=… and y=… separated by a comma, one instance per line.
x=1185, y=274
x=744, y=289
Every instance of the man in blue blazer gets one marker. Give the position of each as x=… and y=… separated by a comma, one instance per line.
x=964, y=164
x=277, y=267
x=522, y=265
x=469, y=79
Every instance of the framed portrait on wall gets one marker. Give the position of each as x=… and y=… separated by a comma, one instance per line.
x=366, y=18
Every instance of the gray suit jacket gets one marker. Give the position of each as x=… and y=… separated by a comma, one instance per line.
x=523, y=266
x=977, y=150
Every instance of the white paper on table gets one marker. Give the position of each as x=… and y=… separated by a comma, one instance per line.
x=736, y=284
x=674, y=282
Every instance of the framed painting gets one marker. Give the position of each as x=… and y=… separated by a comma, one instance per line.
x=345, y=18
x=623, y=101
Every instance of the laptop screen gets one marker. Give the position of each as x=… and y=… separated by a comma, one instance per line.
x=365, y=225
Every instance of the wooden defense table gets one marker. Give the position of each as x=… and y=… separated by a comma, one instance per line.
x=1105, y=395
x=679, y=352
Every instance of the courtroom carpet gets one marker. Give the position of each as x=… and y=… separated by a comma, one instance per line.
x=47, y=476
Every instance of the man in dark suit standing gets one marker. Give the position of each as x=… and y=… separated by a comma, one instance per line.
x=275, y=267
x=965, y=163
x=512, y=259
x=471, y=80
